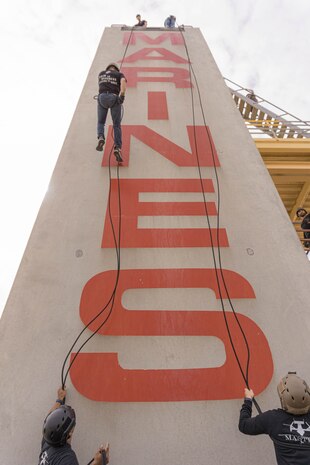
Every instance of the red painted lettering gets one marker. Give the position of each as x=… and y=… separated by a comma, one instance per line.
x=99, y=376
x=178, y=76
x=157, y=106
x=154, y=54
x=199, y=138
x=174, y=37
x=133, y=236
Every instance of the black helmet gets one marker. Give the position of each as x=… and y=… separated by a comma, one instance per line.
x=294, y=394
x=112, y=65
x=58, y=424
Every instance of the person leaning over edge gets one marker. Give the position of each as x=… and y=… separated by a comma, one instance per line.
x=112, y=88
x=141, y=22
x=58, y=429
x=289, y=426
x=170, y=21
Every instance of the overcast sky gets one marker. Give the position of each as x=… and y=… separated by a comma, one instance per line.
x=46, y=50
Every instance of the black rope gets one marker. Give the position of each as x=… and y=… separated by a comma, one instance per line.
x=112, y=297
x=218, y=268
x=117, y=244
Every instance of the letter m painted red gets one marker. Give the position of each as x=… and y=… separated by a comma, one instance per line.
x=174, y=37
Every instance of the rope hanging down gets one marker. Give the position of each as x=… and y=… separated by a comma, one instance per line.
x=117, y=243
x=217, y=267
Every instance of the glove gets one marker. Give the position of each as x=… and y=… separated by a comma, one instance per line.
x=121, y=98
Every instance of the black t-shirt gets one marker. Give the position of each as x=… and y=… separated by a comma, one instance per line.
x=62, y=455
x=110, y=81
x=290, y=433
x=141, y=23
x=306, y=222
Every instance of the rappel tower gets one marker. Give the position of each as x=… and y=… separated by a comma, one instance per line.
x=181, y=266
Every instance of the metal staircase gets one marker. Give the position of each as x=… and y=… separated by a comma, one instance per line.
x=288, y=163
x=264, y=119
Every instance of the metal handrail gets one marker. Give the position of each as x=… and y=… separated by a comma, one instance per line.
x=274, y=122
x=261, y=99
x=265, y=121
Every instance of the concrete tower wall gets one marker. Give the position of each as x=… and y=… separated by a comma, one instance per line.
x=159, y=381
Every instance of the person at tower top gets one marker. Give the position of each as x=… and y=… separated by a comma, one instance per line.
x=58, y=428
x=170, y=21
x=141, y=22
x=302, y=214
x=289, y=426
x=112, y=88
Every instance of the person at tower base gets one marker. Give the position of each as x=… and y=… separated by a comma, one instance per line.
x=112, y=88
x=170, y=21
x=289, y=426
x=58, y=428
x=141, y=22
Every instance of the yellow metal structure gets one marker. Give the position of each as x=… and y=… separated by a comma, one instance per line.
x=283, y=141
x=288, y=163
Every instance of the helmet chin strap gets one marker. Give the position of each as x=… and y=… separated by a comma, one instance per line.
x=69, y=438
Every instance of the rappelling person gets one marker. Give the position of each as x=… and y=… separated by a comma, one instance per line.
x=289, y=426
x=112, y=88
x=58, y=429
